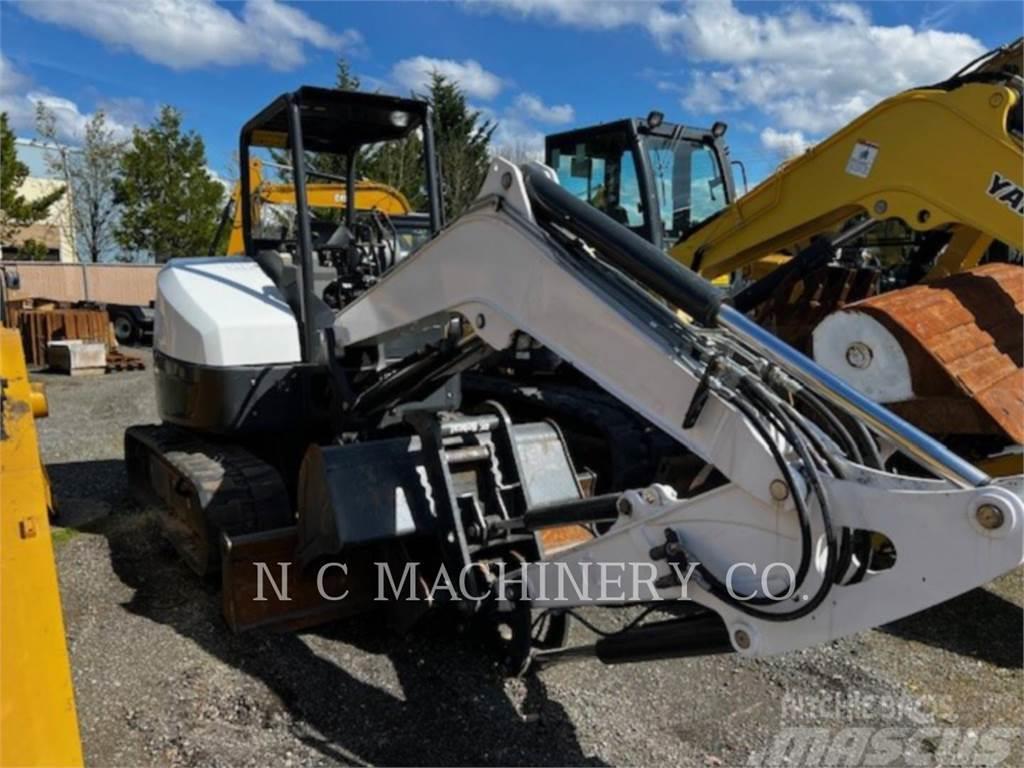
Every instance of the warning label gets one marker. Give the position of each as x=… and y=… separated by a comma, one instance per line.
x=861, y=159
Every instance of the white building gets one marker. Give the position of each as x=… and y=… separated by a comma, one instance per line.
x=55, y=231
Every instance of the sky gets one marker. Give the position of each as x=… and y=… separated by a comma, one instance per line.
x=782, y=75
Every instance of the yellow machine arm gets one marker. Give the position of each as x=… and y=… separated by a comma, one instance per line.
x=369, y=195
x=38, y=725
x=931, y=157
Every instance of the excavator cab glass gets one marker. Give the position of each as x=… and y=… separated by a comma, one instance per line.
x=660, y=179
x=688, y=181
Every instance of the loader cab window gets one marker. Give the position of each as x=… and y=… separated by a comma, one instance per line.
x=688, y=182
x=602, y=172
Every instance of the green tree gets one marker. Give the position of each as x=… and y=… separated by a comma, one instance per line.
x=463, y=144
x=462, y=140
x=398, y=164
x=90, y=173
x=33, y=250
x=169, y=202
x=16, y=212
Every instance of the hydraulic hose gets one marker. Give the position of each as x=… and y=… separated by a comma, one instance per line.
x=719, y=590
x=623, y=248
x=691, y=293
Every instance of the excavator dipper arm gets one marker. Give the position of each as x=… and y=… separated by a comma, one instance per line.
x=528, y=258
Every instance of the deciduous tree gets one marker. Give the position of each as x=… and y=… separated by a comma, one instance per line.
x=90, y=172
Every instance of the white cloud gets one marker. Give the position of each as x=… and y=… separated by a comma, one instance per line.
x=593, y=14
x=227, y=185
x=190, y=34
x=11, y=80
x=70, y=120
x=809, y=68
x=517, y=140
x=415, y=73
x=19, y=101
x=785, y=144
x=533, y=107
x=805, y=71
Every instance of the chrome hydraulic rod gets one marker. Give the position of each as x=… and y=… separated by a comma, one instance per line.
x=703, y=302
x=932, y=454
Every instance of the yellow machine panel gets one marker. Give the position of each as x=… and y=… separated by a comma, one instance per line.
x=369, y=195
x=38, y=724
x=929, y=157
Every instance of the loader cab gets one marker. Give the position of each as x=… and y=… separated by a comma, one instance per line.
x=321, y=263
x=660, y=179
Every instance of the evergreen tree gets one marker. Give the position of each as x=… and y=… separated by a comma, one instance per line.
x=169, y=202
x=15, y=211
x=463, y=143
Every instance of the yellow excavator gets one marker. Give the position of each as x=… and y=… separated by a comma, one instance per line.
x=890, y=250
x=38, y=724
x=274, y=203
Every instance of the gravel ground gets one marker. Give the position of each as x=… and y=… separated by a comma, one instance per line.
x=159, y=679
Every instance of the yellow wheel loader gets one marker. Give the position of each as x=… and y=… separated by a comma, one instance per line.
x=405, y=449
x=890, y=251
x=38, y=725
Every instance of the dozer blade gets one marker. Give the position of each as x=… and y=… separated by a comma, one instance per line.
x=945, y=355
x=264, y=585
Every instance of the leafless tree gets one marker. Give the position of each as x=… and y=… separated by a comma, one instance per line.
x=88, y=172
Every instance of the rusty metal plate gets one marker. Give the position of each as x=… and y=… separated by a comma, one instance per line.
x=305, y=607
x=555, y=540
x=964, y=340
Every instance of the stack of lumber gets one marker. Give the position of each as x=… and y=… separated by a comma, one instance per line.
x=43, y=322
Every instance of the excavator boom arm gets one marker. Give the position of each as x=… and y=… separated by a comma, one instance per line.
x=933, y=157
x=508, y=267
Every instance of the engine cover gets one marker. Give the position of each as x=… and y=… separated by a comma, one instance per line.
x=223, y=312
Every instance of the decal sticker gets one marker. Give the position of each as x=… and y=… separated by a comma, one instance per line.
x=862, y=159
x=269, y=138
x=1007, y=192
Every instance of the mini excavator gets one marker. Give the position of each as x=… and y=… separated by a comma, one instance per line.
x=521, y=390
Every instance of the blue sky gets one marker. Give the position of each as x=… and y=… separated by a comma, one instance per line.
x=781, y=75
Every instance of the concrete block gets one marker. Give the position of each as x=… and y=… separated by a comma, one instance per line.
x=76, y=357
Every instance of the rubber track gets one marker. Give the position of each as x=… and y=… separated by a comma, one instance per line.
x=204, y=488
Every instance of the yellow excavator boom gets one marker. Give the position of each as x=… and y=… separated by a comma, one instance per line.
x=945, y=159
x=369, y=195
x=931, y=157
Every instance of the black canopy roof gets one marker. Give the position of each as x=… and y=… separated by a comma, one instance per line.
x=335, y=121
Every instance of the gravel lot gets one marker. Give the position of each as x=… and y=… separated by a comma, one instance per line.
x=160, y=681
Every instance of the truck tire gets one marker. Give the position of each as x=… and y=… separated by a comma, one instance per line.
x=126, y=330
